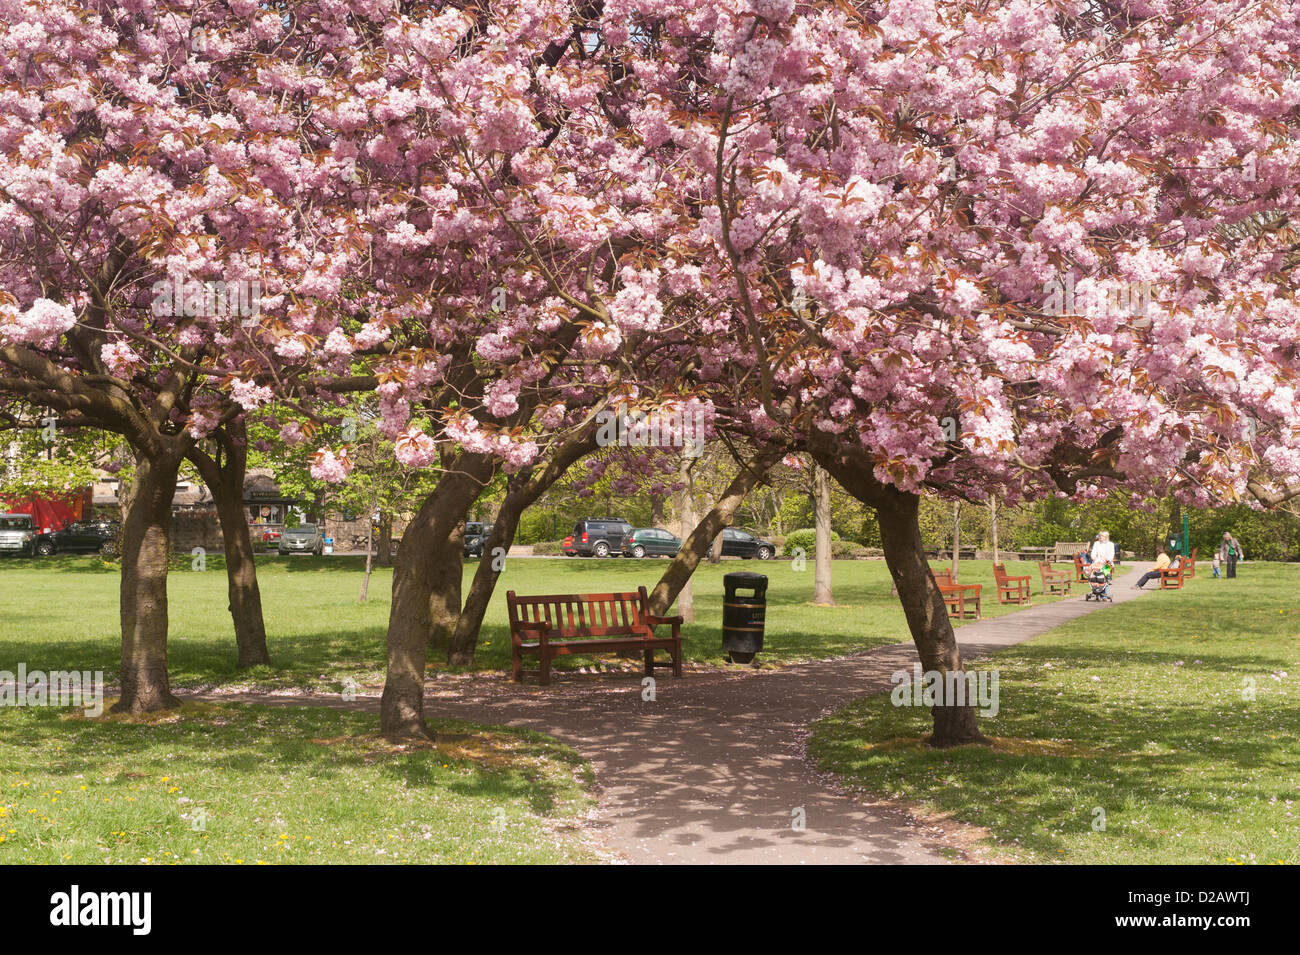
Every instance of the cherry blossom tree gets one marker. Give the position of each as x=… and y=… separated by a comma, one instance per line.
x=1014, y=250
x=161, y=251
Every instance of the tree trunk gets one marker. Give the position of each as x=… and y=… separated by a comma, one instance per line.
x=225, y=479
x=927, y=616
x=464, y=639
x=384, y=555
x=427, y=592
x=822, y=595
x=897, y=513
x=956, y=539
x=370, y=560
x=146, y=540
x=993, y=522
x=723, y=512
x=521, y=492
x=686, y=512
x=241, y=576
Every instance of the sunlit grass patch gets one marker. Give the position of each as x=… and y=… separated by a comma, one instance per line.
x=222, y=783
x=1157, y=731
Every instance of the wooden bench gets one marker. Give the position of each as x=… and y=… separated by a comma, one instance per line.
x=1068, y=550
x=564, y=624
x=1054, y=581
x=1080, y=570
x=1011, y=590
x=1171, y=578
x=955, y=595
x=1190, y=570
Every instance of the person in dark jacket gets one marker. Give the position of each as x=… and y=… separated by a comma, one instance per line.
x=1230, y=551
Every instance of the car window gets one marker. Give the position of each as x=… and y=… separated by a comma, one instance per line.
x=577, y=529
x=306, y=528
x=742, y=536
x=595, y=528
x=15, y=523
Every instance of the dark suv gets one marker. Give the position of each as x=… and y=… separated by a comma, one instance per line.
x=476, y=535
x=80, y=537
x=600, y=536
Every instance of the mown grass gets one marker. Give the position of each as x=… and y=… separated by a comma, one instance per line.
x=1170, y=720
x=242, y=784
x=62, y=613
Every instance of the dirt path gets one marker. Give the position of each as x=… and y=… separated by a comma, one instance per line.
x=713, y=769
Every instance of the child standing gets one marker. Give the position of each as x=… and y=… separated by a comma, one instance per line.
x=1214, y=565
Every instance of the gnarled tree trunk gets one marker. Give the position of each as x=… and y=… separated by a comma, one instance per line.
x=897, y=513
x=427, y=592
x=697, y=545
x=523, y=491
x=146, y=545
x=225, y=479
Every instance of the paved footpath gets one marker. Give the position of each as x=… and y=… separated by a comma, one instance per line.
x=713, y=769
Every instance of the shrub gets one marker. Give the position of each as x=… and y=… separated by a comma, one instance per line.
x=548, y=548
x=805, y=539
x=848, y=550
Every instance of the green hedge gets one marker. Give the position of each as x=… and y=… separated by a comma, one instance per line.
x=805, y=539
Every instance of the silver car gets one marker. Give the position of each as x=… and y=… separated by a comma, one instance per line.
x=17, y=534
x=303, y=539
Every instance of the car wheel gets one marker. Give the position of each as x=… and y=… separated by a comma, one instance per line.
x=108, y=548
x=45, y=549
x=765, y=553
x=638, y=551
x=601, y=549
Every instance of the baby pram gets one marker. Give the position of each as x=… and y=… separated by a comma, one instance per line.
x=1099, y=585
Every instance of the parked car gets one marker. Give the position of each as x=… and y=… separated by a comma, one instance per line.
x=737, y=543
x=650, y=542
x=476, y=534
x=303, y=539
x=567, y=547
x=270, y=539
x=17, y=534
x=600, y=536
x=80, y=537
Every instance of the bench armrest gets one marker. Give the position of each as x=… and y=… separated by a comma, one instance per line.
x=655, y=621
x=541, y=628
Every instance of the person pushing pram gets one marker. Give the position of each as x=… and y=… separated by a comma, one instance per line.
x=1099, y=576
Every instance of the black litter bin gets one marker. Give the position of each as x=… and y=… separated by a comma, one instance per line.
x=743, y=616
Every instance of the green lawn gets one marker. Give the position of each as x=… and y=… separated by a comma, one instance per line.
x=1142, y=711
x=61, y=613
x=232, y=784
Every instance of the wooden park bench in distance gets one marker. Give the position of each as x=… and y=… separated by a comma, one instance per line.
x=955, y=595
x=1054, y=581
x=1011, y=590
x=1068, y=550
x=1171, y=578
x=564, y=624
x=1190, y=569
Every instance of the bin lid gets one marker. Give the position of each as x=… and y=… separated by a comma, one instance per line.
x=744, y=580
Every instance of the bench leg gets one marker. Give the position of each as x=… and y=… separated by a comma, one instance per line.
x=649, y=663
x=544, y=673
x=517, y=667
x=677, y=657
